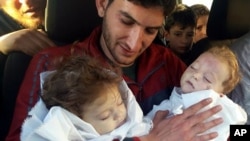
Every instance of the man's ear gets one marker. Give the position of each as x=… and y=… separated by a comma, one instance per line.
x=101, y=6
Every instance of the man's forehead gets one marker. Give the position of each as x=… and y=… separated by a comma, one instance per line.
x=147, y=16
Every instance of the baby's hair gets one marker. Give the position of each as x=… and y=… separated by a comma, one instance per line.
x=78, y=81
x=223, y=53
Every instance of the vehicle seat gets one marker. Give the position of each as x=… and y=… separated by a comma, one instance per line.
x=68, y=21
x=228, y=19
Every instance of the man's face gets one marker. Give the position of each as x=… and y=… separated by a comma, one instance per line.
x=29, y=13
x=128, y=30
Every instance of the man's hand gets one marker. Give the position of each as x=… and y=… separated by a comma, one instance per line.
x=186, y=126
x=27, y=41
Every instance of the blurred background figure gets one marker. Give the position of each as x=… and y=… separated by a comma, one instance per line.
x=25, y=13
x=179, y=31
x=202, y=14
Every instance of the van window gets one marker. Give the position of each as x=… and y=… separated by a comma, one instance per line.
x=208, y=3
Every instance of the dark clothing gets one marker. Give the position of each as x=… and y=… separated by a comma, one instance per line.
x=157, y=72
x=12, y=69
x=197, y=49
x=8, y=24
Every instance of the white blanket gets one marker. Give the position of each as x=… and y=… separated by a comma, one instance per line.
x=231, y=112
x=57, y=124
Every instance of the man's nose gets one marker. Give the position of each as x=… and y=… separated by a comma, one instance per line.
x=135, y=37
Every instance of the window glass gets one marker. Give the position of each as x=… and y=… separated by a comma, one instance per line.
x=208, y=3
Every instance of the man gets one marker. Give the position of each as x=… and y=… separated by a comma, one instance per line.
x=27, y=15
x=19, y=21
x=150, y=70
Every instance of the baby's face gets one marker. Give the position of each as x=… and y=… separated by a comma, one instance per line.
x=107, y=112
x=206, y=72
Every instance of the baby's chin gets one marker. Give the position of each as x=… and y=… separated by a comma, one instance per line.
x=186, y=89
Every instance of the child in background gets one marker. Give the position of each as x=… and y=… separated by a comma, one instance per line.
x=202, y=14
x=179, y=30
x=213, y=74
x=82, y=100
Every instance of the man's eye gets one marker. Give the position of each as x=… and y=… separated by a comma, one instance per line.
x=127, y=21
x=151, y=31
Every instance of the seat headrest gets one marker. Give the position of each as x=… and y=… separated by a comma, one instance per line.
x=70, y=20
x=228, y=19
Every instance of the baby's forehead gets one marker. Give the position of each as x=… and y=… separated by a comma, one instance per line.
x=207, y=57
x=210, y=61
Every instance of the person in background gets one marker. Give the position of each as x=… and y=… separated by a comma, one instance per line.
x=21, y=30
x=22, y=24
x=202, y=14
x=213, y=74
x=180, y=30
x=95, y=103
x=125, y=40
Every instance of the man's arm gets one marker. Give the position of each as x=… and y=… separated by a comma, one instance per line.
x=25, y=40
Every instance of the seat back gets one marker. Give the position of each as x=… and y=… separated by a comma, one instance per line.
x=228, y=19
x=67, y=20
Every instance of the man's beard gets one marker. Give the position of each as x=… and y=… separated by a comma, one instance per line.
x=108, y=45
x=27, y=22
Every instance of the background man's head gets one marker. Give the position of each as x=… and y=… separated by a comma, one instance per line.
x=29, y=13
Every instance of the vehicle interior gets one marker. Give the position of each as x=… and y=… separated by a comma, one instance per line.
x=228, y=21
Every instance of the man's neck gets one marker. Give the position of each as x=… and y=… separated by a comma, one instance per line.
x=131, y=71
